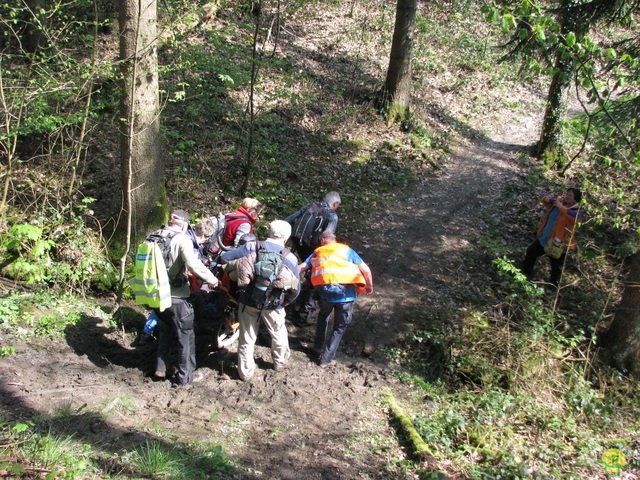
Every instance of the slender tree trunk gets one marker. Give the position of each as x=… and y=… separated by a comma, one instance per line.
x=550, y=143
x=396, y=93
x=141, y=162
x=621, y=342
x=252, y=116
x=33, y=37
x=11, y=124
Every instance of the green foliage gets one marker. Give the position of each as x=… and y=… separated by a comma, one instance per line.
x=153, y=460
x=6, y=351
x=36, y=445
x=58, y=249
x=610, y=173
x=54, y=326
x=523, y=401
x=156, y=459
x=9, y=310
x=31, y=253
x=44, y=69
x=60, y=454
x=494, y=433
x=42, y=314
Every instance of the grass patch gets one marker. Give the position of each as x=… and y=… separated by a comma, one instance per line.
x=28, y=448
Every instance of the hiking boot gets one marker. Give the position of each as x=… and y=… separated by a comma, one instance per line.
x=160, y=374
x=278, y=367
x=324, y=365
x=144, y=339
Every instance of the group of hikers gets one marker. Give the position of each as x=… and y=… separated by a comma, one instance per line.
x=269, y=280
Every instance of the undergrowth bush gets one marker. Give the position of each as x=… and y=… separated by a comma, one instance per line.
x=43, y=314
x=50, y=454
x=57, y=248
x=527, y=403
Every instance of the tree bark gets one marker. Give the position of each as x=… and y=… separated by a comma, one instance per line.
x=396, y=93
x=550, y=143
x=621, y=342
x=33, y=37
x=141, y=162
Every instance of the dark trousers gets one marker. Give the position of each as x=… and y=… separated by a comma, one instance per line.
x=308, y=297
x=342, y=315
x=176, y=326
x=308, y=300
x=536, y=250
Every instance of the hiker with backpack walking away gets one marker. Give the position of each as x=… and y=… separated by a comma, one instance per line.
x=176, y=323
x=306, y=226
x=241, y=221
x=268, y=280
x=555, y=234
x=338, y=274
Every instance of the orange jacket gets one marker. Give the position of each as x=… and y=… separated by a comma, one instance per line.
x=566, y=223
x=331, y=265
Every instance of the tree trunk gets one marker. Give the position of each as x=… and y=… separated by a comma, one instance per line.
x=396, y=93
x=33, y=37
x=141, y=162
x=621, y=342
x=550, y=143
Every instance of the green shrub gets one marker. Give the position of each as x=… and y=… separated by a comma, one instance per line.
x=58, y=249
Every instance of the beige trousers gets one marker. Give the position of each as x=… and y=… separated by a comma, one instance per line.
x=275, y=323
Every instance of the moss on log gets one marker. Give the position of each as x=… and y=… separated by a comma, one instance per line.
x=419, y=448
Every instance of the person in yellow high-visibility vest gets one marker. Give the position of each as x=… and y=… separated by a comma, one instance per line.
x=177, y=321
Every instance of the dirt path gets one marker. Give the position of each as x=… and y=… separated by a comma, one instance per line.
x=424, y=246
x=305, y=422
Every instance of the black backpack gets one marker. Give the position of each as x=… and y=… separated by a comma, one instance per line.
x=261, y=293
x=306, y=229
x=164, y=243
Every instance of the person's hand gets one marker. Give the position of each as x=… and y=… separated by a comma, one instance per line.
x=214, y=284
x=368, y=289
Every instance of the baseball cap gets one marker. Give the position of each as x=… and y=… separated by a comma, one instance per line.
x=180, y=215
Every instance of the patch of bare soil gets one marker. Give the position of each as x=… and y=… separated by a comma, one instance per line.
x=305, y=421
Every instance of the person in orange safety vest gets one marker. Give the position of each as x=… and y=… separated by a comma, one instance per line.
x=338, y=274
x=558, y=225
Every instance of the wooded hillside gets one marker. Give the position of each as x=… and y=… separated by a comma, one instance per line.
x=442, y=125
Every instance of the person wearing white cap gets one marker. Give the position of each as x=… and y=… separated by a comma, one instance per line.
x=270, y=307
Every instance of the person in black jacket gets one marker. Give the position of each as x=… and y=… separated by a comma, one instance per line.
x=305, y=238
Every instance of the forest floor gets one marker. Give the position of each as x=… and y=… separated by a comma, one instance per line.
x=305, y=421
